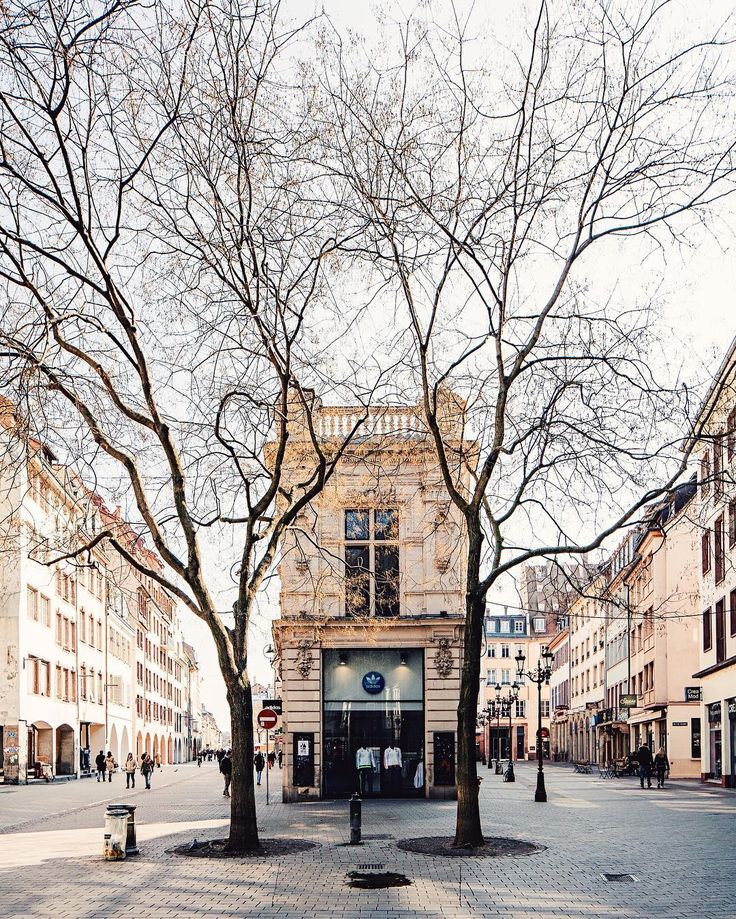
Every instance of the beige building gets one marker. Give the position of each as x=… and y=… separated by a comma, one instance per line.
x=372, y=612
x=715, y=445
x=663, y=587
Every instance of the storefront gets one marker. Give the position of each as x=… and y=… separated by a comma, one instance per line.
x=373, y=722
x=731, y=705
x=715, y=742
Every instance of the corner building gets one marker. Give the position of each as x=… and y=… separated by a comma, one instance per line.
x=372, y=615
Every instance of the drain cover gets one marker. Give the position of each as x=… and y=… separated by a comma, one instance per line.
x=626, y=878
x=370, y=867
x=377, y=881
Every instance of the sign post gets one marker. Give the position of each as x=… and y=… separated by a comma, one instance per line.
x=267, y=719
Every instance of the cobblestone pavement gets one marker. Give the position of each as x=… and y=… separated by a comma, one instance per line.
x=677, y=842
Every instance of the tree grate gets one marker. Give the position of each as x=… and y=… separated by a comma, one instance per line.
x=624, y=878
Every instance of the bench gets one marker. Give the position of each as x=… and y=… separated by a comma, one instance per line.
x=582, y=768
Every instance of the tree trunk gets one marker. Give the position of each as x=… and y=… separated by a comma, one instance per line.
x=468, y=830
x=243, y=835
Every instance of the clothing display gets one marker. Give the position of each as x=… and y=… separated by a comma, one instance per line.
x=364, y=758
x=391, y=757
x=419, y=775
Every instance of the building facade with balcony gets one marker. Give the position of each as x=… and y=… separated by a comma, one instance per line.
x=714, y=437
x=370, y=636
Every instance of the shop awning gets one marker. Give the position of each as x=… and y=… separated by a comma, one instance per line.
x=654, y=714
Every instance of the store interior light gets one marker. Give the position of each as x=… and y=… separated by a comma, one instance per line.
x=343, y=658
x=404, y=659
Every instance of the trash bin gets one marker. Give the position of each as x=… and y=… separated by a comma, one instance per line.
x=131, y=846
x=116, y=832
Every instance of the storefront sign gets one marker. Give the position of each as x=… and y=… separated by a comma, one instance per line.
x=679, y=724
x=628, y=700
x=275, y=705
x=303, y=747
x=693, y=694
x=695, y=738
x=714, y=713
x=373, y=682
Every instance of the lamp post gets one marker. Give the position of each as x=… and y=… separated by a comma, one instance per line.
x=541, y=674
x=497, y=708
x=503, y=709
x=480, y=724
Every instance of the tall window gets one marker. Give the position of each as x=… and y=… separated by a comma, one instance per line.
x=705, y=473
x=545, y=708
x=707, y=637
x=732, y=612
x=46, y=611
x=505, y=651
x=731, y=433
x=491, y=677
x=32, y=603
x=718, y=545
x=520, y=708
x=505, y=677
x=732, y=523
x=718, y=466
x=372, y=562
x=705, y=551
x=720, y=631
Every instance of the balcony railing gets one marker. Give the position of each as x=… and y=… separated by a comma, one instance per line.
x=339, y=422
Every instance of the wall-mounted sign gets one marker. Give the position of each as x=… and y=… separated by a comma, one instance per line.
x=373, y=682
x=628, y=700
x=275, y=705
x=679, y=724
x=693, y=694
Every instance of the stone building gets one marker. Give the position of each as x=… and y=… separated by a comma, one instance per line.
x=371, y=628
x=714, y=433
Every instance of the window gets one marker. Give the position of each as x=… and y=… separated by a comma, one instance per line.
x=720, y=631
x=32, y=603
x=719, y=550
x=505, y=677
x=731, y=433
x=732, y=612
x=520, y=708
x=539, y=624
x=505, y=625
x=83, y=681
x=46, y=611
x=732, y=523
x=717, y=466
x=375, y=531
x=59, y=629
x=505, y=651
x=545, y=708
x=707, y=638
x=705, y=551
x=59, y=682
x=491, y=677
x=705, y=473
x=492, y=651
x=519, y=626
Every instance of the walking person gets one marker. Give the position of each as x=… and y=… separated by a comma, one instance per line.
x=644, y=755
x=259, y=761
x=661, y=766
x=110, y=765
x=226, y=768
x=157, y=761
x=271, y=759
x=281, y=758
x=100, y=765
x=130, y=768
x=147, y=769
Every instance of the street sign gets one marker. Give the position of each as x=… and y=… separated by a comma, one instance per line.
x=267, y=718
x=628, y=700
x=275, y=705
x=679, y=724
x=544, y=732
x=693, y=694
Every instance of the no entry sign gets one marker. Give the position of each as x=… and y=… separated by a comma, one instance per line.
x=267, y=718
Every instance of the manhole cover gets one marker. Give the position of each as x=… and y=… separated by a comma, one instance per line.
x=626, y=878
x=377, y=881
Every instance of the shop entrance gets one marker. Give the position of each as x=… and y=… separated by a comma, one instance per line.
x=375, y=753
x=373, y=723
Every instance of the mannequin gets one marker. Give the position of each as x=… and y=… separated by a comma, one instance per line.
x=365, y=763
x=392, y=765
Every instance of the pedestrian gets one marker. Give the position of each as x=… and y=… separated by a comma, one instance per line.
x=100, y=765
x=157, y=760
x=281, y=758
x=259, y=761
x=644, y=755
x=271, y=759
x=110, y=766
x=199, y=760
x=661, y=766
x=226, y=768
x=147, y=769
x=129, y=768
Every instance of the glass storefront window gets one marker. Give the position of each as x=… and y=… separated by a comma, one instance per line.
x=373, y=722
x=716, y=743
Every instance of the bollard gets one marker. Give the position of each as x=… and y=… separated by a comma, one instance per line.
x=116, y=832
x=131, y=846
x=355, y=819
x=509, y=776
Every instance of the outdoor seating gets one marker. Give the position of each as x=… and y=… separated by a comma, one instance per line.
x=582, y=768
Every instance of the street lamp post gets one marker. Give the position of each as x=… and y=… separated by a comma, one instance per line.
x=540, y=674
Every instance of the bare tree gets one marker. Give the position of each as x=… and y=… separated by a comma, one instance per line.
x=487, y=188
x=163, y=245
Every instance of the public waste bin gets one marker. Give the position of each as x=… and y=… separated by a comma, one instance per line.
x=116, y=832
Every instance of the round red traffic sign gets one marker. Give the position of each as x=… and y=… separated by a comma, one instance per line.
x=544, y=732
x=267, y=718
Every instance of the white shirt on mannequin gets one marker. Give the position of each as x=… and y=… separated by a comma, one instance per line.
x=391, y=757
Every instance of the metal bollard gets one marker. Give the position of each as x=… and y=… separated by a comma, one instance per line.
x=509, y=774
x=131, y=846
x=356, y=806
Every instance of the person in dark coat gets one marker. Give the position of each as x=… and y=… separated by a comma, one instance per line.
x=101, y=764
x=226, y=768
x=661, y=766
x=259, y=761
x=644, y=755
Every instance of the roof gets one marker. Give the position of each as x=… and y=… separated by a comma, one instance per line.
x=727, y=364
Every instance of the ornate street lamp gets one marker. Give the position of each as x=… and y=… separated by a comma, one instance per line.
x=541, y=674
